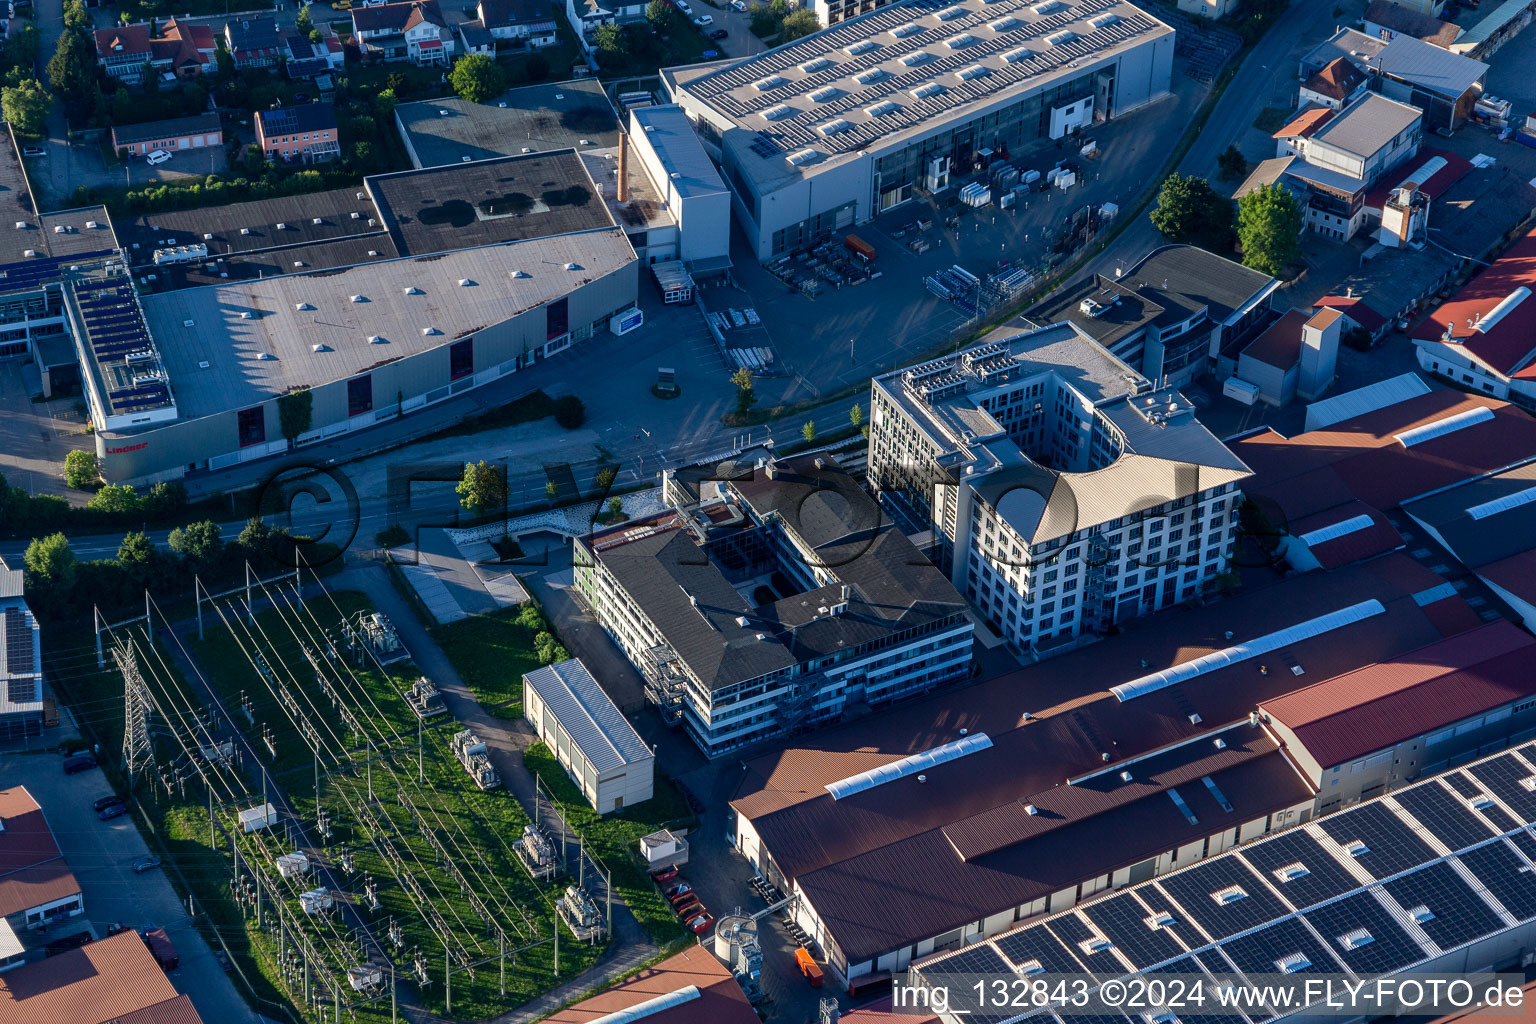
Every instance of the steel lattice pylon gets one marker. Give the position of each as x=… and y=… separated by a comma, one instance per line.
x=138, y=752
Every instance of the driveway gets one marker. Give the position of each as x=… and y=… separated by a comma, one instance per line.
x=101, y=854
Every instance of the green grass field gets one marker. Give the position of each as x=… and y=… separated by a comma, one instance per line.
x=491, y=653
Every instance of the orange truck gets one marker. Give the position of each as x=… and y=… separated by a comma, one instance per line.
x=808, y=966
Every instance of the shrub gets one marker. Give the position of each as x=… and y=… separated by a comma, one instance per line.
x=81, y=469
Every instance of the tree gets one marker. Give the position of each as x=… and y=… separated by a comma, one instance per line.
x=150, y=79
x=1268, y=226
x=384, y=106
x=551, y=490
x=763, y=21
x=482, y=488
x=615, y=505
x=1232, y=163
x=808, y=431
x=199, y=543
x=365, y=155
x=570, y=412
x=76, y=16
x=746, y=395
x=255, y=536
x=302, y=22
x=138, y=556
x=800, y=24
x=856, y=415
x=26, y=106
x=21, y=49
x=166, y=497
x=295, y=413
x=1189, y=210
x=478, y=78
x=72, y=68
x=659, y=14
x=81, y=469
x=51, y=563
x=116, y=499
x=609, y=39
x=605, y=477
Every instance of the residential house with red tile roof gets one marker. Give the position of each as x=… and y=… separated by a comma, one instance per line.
x=306, y=133
x=1484, y=336
x=181, y=49
x=1332, y=86
x=37, y=888
x=413, y=31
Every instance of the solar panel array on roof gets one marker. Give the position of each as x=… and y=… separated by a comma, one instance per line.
x=974, y=37
x=115, y=334
x=1429, y=873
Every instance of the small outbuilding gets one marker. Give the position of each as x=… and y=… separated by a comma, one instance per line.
x=589, y=736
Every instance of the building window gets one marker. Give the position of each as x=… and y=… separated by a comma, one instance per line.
x=461, y=359
x=253, y=426
x=359, y=395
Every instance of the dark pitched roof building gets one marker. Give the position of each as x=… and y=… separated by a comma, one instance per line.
x=253, y=41
x=175, y=128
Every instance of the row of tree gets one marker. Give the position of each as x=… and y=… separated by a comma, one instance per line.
x=23, y=514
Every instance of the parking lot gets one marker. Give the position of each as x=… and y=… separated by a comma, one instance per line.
x=101, y=854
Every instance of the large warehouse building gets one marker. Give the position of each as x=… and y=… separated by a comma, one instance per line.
x=371, y=302
x=834, y=128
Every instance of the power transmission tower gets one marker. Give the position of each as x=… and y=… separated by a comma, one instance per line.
x=138, y=752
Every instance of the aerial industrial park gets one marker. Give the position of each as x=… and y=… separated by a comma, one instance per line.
x=832, y=512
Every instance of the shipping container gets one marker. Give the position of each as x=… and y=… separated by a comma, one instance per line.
x=860, y=248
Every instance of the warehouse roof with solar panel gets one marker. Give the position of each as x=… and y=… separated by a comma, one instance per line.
x=903, y=68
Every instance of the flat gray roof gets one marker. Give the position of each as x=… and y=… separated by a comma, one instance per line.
x=78, y=236
x=236, y=377
x=536, y=118
x=1413, y=60
x=1368, y=124
x=486, y=202
x=682, y=156
x=898, y=70
x=585, y=711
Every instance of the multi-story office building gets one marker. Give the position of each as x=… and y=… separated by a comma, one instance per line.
x=774, y=598
x=830, y=130
x=1066, y=493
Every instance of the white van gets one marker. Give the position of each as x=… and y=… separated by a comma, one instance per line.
x=159, y=156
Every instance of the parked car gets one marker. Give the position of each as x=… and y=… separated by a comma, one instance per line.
x=682, y=5
x=341, y=5
x=159, y=156
x=111, y=811
x=704, y=19
x=665, y=875
x=700, y=924
x=34, y=151
x=739, y=6
x=144, y=864
x=79, y=763
x=106, y=801
x=219, y=954
x=719, y=33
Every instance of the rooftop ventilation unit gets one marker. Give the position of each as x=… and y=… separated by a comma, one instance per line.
x=22, y=225
x=1292, y=962
x=1504, y=504
x=871, y=75
x=412, y=290
x=882, y=109
x=951, y=13
x=357, y=298
x=1125, y=777
x=1528, y=783
x=428, y=332
x=779, y=112
x=300, y=263
x=1480, y=802
x=1219, y=743
x=909, y=765
x=1356, y=938
x=374, y=339
x=816, y=64
x=245, y=314
x=573, y=266
x=59, y=229
x=518, y=274
x=1448, y=425
x=1231, y=894
x=282, y=226
x=1031, y=967
x=92, y=225
x=245, y=231
x=972, y=71
x=465, y=282
x=29, y=253
x=1356, y=848
x=1161, y=919
x=207, y=236
x=1422, y=914
x=1031, y=810
x=266, y=357
x=771, y=82
x=911, y=28
x=926, y=90
x=356, y=215
x=320, y=348
x=862, y=46
x=1290, y=872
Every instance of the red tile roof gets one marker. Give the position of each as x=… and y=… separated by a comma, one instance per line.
x=1361, y=457
x=1354, y=307
x=32, y=871
x=1338, y=79
x=1280, y=344
x=1372, y=708
x=720, y=1001
x=95, y=984
x=1516, y=574
x=123, y=39
x=881, y=1012
x=1305, y=123
x=1507, y=345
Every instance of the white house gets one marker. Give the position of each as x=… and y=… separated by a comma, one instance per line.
x=413, y=31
